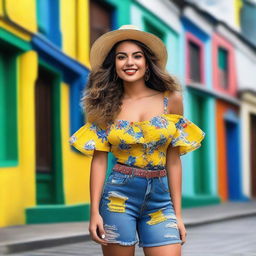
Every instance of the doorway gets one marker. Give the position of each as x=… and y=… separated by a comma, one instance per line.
x=49, y=184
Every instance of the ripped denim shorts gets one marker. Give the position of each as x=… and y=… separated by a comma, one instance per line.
x=138, y=209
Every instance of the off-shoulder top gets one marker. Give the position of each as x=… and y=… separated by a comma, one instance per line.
x=140, y=143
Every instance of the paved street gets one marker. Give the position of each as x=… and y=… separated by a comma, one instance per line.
x=227, y=238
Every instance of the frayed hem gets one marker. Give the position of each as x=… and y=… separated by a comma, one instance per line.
x=159, y=244
x=125, y=243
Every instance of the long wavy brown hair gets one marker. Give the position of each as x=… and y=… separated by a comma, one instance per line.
x=102, y=96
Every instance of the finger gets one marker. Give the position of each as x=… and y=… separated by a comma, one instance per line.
x=101, y=231
x=99, y=240
x=183, y=238
x=96, y=238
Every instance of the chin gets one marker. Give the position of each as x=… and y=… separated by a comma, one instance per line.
x=131, y=79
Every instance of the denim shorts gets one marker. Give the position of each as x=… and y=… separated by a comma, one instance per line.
x=138, y=209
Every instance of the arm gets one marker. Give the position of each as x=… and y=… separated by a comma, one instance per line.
x=173, y=162
x=174, y=167
x=174, y=171
x=97, y=178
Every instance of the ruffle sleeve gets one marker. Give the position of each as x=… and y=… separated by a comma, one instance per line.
x=188, y=136
x=90, y=137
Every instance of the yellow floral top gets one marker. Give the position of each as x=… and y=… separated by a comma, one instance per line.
x=143, y=143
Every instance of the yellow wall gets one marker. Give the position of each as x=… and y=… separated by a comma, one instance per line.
x=74, y=26
x=1, y=8
x=11, y=197
x=75, y=43
x=21, y=12
x=17, y=184
x=76, y=167
x=238, y=5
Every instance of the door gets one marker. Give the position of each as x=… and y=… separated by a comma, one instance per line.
x=253, y=154
x=49, y=180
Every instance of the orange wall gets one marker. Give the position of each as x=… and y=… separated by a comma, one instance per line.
x=221, y=108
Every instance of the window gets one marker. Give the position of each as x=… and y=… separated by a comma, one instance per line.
x=100, y=19
x=149, y=27
x=194, y=62
x=8, y=109
x=223, y=67
x=194, y=59
x=224, y=71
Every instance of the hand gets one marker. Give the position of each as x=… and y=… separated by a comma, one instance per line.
x=182, y=230
x=96, y=229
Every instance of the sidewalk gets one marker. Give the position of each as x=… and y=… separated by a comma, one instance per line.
x=30, y=237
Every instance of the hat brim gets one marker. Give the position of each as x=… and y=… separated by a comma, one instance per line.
x=104, y=43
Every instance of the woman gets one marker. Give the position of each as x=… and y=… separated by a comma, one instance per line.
x=134, y=109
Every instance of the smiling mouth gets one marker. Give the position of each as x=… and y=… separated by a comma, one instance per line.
x=130, y=71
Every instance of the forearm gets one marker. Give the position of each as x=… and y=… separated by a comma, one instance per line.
x=97, y=178
x=175, y=184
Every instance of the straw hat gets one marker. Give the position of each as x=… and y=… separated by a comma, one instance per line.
x=104, y=43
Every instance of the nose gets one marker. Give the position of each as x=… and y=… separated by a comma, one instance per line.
x=129, y=61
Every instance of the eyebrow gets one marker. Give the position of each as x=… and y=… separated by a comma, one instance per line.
x=126, y=53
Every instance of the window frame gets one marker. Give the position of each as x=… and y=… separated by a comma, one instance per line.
x=191, y=38
x=220, y=42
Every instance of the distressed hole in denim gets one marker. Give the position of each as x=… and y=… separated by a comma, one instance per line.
x=117, y=202
x=111, y=233
x=171, y=225
x=156, y=217
x=128, y=243
x=171, y=236
x=171, y=216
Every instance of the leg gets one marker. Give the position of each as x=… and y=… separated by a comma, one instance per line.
x=119, y=208
x=164, y=250
x=158, y=228
x=117, y=250
x=119, y=224
x=157, y=225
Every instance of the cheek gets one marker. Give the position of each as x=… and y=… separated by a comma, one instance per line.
x=143, y=69
x=142, y=65
x=118, y=68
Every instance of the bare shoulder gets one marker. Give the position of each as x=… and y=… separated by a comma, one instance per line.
x=175, y=103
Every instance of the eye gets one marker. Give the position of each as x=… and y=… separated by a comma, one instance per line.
x=120, y=57
x=138, y=56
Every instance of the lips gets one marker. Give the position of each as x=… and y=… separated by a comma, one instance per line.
x=130, y=71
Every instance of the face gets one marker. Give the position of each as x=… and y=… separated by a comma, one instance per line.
x=130, y=62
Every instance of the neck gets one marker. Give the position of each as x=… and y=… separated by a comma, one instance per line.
x=135, y=89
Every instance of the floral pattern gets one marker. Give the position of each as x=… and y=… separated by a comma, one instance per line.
x=90, y=137
x=143, y=144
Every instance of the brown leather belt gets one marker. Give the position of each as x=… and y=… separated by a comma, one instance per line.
x=138, y=171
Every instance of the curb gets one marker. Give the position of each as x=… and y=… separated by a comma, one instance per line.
x=219, y=219
x=41, y=243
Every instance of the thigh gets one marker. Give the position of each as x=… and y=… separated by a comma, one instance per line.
x=118, y=250
x=164, y=250
x=118, y=211
x=157, y=225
